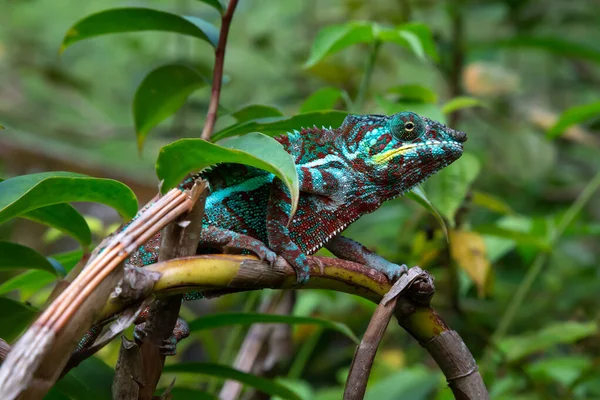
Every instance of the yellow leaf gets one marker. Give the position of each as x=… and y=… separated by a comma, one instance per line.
x=468, y=250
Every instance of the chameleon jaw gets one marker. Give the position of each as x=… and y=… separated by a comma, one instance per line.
x=386, y=156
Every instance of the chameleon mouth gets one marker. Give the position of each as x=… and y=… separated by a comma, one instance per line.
x=386, y=156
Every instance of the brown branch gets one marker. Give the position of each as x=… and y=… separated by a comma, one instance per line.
x=215, y=95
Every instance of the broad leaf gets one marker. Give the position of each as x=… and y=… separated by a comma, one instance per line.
x=216, y=4
x=255, y=111
x=447, y=189
x=119, y=20
x=458, y=103
x=32, y=281
x=14, y=318
x=15, y=256
x=403, y=38
x=491, y=202
x=469, y=252
x=228, y=319
x=261, y=384
x=414, y=93
x=322, y=99
x=91, y=380
x=63, y=217
x=417, y=194
x=573, y=116
x=423, y=32
x=279, y=125
x=22, y=194
x=334, y=38
x=162, y=92
x=181, y=157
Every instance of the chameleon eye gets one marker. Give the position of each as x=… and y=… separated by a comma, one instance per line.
x=407, y=126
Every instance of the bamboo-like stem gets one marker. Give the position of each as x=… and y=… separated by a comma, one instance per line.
x=213, y=107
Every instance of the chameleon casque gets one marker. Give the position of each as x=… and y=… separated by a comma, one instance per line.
x=343, y=173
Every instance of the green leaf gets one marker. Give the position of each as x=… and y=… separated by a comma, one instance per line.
x=91, y=380
x=460, y=102
x=426, y=38
x=255, y=111
x=32, y=281
x=573, y=116
x=517, y=347
x=261, y=384
x=14, y=318
x=216, y=4
x=557, y=46
x=417, y=194
x=414, y=93
x=119, y=20
x=278, y=125
x=63, y=217
x=491, y=202
x=334, y=38
x=563, y=369
x=403, y=38
x=162, y=92
x=228, y=319
x=25, y=193
x=183, y=156
x=515, y=235
x=323, y=99
x=16, y=256
x=448, y=188
x=410, y=383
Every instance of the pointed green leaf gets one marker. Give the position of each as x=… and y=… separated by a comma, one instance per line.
x=278, y=125
x=15, y=256
x=216, y=4
x=255, y=111
x=228, y=319
x=22, y=194
x=403, y=38
x=63, y=217
x=162, y=92
x=221, y=371
x=119, y=20
x=14, y=318
x=334, y=38
x=183, y=156
x=425, y=37
x=460, y=102
x=418, y=194
x=573, y=116
x=447, y=189
x=322, y=99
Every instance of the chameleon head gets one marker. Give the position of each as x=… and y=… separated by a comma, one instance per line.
x=403, y=149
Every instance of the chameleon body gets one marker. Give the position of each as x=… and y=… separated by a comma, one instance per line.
x=343, y=173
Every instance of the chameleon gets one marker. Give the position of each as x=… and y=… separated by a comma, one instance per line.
x=343, y=173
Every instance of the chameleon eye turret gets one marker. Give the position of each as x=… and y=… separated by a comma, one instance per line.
x=407, y=126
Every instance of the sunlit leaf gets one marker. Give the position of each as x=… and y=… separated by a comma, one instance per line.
x=162, y=92
x=255, y=111
x=414, y=93
x=15, y=256
x=468, y=250
x=278, y=125
x=32, y=281
x=25, y=193
x=403, y=38
x=334, y=38
x=573, y=116
x=63, y=217
x=418, y=194
x=458, y=103
x=447, y=189
x=119, y=20
x=517, y=347
x=221, y=371
x=323, y=99
x=216, y=4
x=228, y=319
x=179, y=158
x=14, y=318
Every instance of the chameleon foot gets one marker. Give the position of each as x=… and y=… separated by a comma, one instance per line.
x=228, y=240
x=168, y=347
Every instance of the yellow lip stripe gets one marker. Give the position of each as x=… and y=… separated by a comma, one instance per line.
x=384, y=157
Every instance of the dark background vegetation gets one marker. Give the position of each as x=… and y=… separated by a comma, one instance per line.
x=519, y=280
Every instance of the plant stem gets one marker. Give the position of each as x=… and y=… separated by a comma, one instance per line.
x=366, y=81
x=541, y=258
x=211, y=116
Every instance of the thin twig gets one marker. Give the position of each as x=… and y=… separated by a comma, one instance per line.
x=211, y=116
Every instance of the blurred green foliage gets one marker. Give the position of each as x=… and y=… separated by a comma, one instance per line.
x=518, y=280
